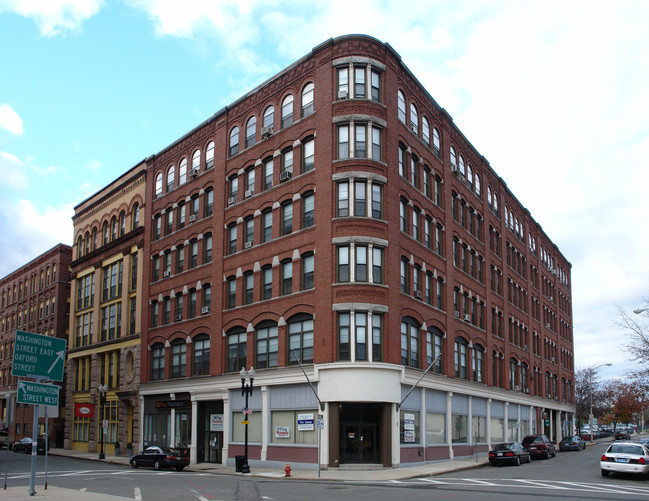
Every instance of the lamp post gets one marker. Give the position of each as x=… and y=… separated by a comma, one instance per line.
x=103, y=390
x=590, y=381
x=246, y=389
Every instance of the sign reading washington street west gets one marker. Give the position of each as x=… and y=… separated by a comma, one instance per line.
x=37, y=394
x=38, y=356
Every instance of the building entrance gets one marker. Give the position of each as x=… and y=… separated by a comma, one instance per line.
x=210, y=432
x=360, y=433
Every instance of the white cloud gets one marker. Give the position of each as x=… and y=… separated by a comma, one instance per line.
x=10, y=120
x=12, y=174
x=54, y=17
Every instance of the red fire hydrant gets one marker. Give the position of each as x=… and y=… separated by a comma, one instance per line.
x=288, y=470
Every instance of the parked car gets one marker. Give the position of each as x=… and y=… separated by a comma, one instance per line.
x=509, y=453
x=160, y=457
x=573, y=443
x=622, y=434
x=4, y=439
x=539, y=446
x=625, y=457
x=25, y=445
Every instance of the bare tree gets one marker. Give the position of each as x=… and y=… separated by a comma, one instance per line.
x=589, y=391
x=638, y=343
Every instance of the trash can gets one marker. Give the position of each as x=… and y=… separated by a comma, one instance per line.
x=239, y=462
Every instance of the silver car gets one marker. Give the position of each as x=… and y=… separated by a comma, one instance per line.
x=625, y=457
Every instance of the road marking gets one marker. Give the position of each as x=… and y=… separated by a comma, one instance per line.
x=137, y=494
x=480, y=482
x=431, y=481
x=199, y=496
x=84, y=489
x=540, y=483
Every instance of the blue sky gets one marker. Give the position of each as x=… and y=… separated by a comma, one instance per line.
x=547, y=90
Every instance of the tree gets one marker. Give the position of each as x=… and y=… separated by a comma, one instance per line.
x=625, y=399
x=588, y=389
x=638, y=344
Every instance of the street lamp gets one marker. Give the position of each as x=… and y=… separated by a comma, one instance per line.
x=103, y=390
x=590, y=380
x=637, y=311
x=246, y=389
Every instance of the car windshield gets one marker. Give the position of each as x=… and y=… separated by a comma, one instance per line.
x=502, y=447
x=626, y=449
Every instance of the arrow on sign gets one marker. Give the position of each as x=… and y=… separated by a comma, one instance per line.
x=60, y=355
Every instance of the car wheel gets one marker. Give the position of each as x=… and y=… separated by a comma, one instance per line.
x=547, y=454
x=604, y=473
x=179, y=468
x=518, y=461
x=554, y=454
x=134, y=464
x=157, y=465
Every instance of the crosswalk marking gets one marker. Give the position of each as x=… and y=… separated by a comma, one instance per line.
x=137, y=494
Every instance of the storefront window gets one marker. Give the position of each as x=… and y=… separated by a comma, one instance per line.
x=512, y=430
x=481, y=423
x=497, y=430
x=459, y=429
x=294, y=427
x=157, y=428
x=183, y=429
x=409, y=429
x=239, y=429
x=435, y=428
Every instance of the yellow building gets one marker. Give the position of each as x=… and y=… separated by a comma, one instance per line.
x=105, y=316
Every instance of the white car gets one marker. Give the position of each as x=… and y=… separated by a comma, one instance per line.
x=625, y=457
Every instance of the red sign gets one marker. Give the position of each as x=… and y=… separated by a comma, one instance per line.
x=84, y=410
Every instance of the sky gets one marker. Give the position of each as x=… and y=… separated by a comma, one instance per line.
x=553, y=93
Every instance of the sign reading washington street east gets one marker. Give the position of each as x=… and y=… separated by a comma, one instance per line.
x=38, y=356
x=37, y=394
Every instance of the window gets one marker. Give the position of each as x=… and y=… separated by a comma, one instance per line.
x=248, y=287
x=308, y=271
x=268, y=174
x=360, y=198
x=360, y=265
x=249, y=180
x=308, y=210
x=343, y=264
x=237, y=348
x=376, y=143
x=453, y=158
x=193, y=254
x=209, y=202
x=414, y=119
x=249, y=231
x=201, y=355
x=425, y=130
x=409, y=342
x=402, y=160
x=169, y=223
x=209, y=155
x=180, y=259
x=178, y=358
x=359, y=82
x=234, y=189
x=460, y=358
x=342, y=198
x=182, y=173
x=377, y=265
x=376, y=86
x=158, y=188
x=287, y=161
x=191, y=307
x=266, y=282
x=251, y=131
x=157, y=362
x=267, y=345
x=267, y=225
x=232, y=238
x=287, y=218
x=343, y=83
x=170, y=178
x=343, y=142
x=344, y=352
x=307, y=100
x=300, y=339
x=401, y=102
x=403, y=215
x=287, y=111
x=231, y=294
x=287, y=277
x=377, y=201
x=404, y=275
x=308, y=154
x=234, y=141
x=478, y=363
x=434, y=349
x=196, y=161
x=436, y=143
x=269, y=117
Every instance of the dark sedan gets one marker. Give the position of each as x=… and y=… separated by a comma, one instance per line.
x=25, y=445
x=509, y=453
x=539, y=446
x=161, y=457
x=622, y=435
x=573, y=443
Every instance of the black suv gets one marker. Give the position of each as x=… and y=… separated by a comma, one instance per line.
x=539, y=446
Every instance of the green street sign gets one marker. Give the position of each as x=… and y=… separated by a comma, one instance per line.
x=38, y=356
x=37, y=393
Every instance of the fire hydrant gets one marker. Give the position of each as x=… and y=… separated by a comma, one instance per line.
x=288, y=470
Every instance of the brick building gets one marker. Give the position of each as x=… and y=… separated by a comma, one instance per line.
x=335, y=216
x=33, y=298
x=105, y=317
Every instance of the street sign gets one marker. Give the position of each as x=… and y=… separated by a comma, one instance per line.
x=38, y=356
x=37, y=393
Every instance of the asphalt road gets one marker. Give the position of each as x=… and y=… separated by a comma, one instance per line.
x=569, y=476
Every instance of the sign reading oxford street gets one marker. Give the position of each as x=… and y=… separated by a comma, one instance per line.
x=37, y=393
x=38, y=356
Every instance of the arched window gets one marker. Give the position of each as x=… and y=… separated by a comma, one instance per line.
x=414, y=119
x=461, y=166
x=135, y=217
x=104, y=233
x=178, y=358
x=158, y=185
x=234, y=141
x=269, y=117
x=209, y=155
x=266, y=345
x=201, y=355
x=410, y=342
x=196, y=161
x=251, y=131
x=401, y=99
x=300, y=338
x=287, y=111
x=182, y=172
x=157, y=362
x=237, y=348
x=478, y=363
x=307, y=99
x=477, y=184
x=461, y=358
x=469, y=176
x=425, y=130
x=171, y=174
x=453, y=158
x=436, y=143
x=122, y=223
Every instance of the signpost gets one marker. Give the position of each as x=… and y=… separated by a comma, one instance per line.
x=42, y=358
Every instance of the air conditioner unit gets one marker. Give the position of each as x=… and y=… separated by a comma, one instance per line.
x=551, y=298
x=553, y=361
x=166, y=274
x=194, y=172
x=526, y=348
x=457, y=314
x=418, y=294
x=342, y=94
x=467, y=318
x=526, y=390
x=547, y=326
x=267, y=131
x=179, y=318
x=285, y=176
x=517, y=388
x=248, y=244
x=249, y=193
x=232, y=200
x=554, y=272
x=205, y=310
x=413, y=128
x=193, y=218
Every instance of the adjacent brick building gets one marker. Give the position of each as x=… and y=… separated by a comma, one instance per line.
x=336, y=215
x=33, y=298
